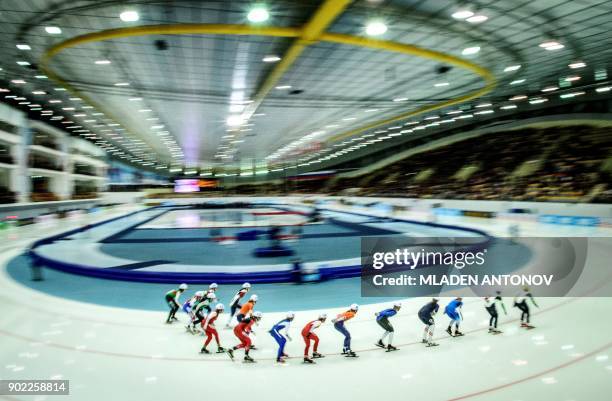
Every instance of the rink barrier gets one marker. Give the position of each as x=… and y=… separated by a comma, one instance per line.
x=282, y=276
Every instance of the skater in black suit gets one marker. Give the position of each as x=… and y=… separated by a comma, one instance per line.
x=520, y=301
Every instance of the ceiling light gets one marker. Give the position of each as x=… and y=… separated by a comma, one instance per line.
x=508, y=107
x=102, y=62
x=41, y=77
x=135, y=99
x=603, y=89
x=551, y=45
x=18, y=81
x=258, y=14
x=281, y=87
x=483, y=105
x=122, y=84
x=53, y=30
x=39, y=93
x=24, y=63
x=470, y=50
x=375, y=28
x=512, y=68
x=549, y=89
x=371, y=110
x=568, y=95
x=24, y=47
x=129, y=16
x=439, y=84
x=577, y=64
x=476, y=19
x=270, y=59
x=400, y=99
x=518, y=97
x=236, y=108
x=462, y=14
x=144, y=110
x=538, y=100
x=517, y=81
x=573, y=78
x=234, y=121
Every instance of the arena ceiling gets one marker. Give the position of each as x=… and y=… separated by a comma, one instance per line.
x=203, y=85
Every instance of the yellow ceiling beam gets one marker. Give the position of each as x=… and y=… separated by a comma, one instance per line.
x=310, y=34
x=487, y=75
x=313, y=31
x=170, y=29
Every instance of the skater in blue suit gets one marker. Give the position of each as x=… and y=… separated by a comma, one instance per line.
x=281, y=338
x=453, y=311
x=382, y=318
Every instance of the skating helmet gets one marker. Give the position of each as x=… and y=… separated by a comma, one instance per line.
x=397, y=305
x=220, y=307
x=246, y=285
x=354, y=307
x=435, y=299
x=323, y=316
x=290, y=315
x=183, y=287
x=199, y=294
x=257, y=315
x=213, y=286
x=211, y=295
x=254, y=298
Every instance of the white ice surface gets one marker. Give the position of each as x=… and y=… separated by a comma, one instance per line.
x=118, y=354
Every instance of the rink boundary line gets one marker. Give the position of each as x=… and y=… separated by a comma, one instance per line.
x=535, y=375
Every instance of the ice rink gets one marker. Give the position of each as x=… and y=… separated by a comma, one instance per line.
x=128, y=354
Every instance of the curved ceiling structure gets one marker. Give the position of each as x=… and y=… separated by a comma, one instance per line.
x=212, y=85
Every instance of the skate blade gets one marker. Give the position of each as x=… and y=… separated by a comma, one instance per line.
x=432, y=345
x=391, y=350
x=381, y=346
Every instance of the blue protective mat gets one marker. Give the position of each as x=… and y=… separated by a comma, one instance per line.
x=274, y=297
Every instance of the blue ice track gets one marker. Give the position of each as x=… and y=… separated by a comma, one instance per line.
x=273, y=297
x=150, y=296
x=124, y=248
x=124, y=237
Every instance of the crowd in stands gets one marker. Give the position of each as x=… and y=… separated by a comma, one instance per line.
x=549, y=164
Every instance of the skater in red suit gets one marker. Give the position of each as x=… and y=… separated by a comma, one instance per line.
x=210, y=330
x=242, y=331
x=309, y=335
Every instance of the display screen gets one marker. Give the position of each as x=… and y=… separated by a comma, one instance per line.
x=186, y=186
